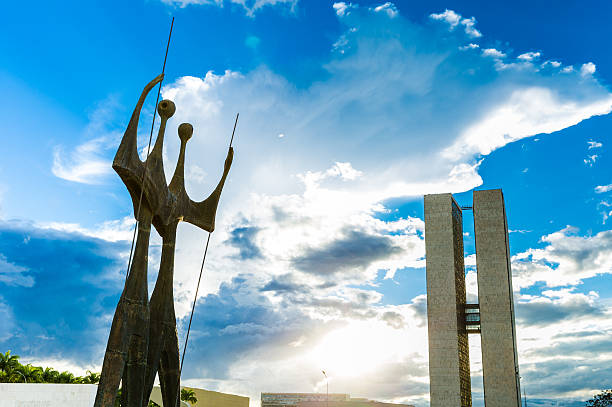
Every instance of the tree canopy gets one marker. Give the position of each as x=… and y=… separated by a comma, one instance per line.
x=603, y=399
x=12, y=371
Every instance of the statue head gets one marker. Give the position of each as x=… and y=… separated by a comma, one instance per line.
x=166, y=109
x=185, y=131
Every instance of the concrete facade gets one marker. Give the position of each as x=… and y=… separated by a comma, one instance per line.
x=498, y=336
x=493, y=317
x=351, y=403
x=293, y=399
x=449, y=362
x=47, y=395
x=206, y=398
x=84, y=395
x=320, y=400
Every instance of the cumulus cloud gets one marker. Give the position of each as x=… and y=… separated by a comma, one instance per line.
x=306, y=220
x=558, y=306
x=492, y=52
x=529, y=56
x=302, y=229
x=566, y=259
x=355, y=250
x=587, y=69
x=388, y=8
x=560, y=352
x=454, y=19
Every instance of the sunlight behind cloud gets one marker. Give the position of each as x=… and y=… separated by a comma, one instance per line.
x=359, y=348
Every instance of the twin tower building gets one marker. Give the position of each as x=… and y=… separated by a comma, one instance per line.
x=451, y=319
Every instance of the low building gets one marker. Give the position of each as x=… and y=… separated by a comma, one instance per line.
x=83, y=395
x=350, y=403
x=293, y=399
x=47, y=394
x=319, y=400
x=207, y=398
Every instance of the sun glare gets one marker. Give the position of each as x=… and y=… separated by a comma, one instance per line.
x=357, y=349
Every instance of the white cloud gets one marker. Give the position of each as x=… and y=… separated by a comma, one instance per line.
x=388, y=8
x=469, y=46
x=85, y=164
x=594, y=144
x=599, y=189
x=449, y=16
x=587, y=69
x=492, y=52
x=590, y=160
x=470, y=29
x=342, y=8
x=528, y=111
x=250, y=6
x=303, y=216
x=566, y=259
x=112, y=231
x=89, y=162
x=564, y=343
x=568, y=69
x=454, y=19
x=382, y=116
x=529, y=56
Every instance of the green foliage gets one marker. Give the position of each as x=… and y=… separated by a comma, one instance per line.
x=603, y=399
x=119, y=403
x=12, y=371
x=189, y=396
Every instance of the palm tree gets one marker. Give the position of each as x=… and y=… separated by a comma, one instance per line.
x=91, y=378
x=189, y=396
x=31, y=374
x=50, y=375
x=8, y=362
x=66, y=377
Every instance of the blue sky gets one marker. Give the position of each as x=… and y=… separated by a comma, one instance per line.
x=349, y=113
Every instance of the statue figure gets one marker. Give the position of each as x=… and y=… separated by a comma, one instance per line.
x=143, y=338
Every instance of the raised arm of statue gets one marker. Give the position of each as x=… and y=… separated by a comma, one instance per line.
x=127, y=154
x=202, y=214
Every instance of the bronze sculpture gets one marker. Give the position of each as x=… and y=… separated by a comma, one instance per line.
x=143, y=338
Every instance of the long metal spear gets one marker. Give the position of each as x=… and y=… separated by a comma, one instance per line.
x=148, y=151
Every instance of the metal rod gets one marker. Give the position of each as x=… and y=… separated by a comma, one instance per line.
x=233, y=131
x=195, y=299
x=148, y=151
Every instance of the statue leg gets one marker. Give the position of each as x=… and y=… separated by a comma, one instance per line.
x=137, y=297
x=161, y=305
x=169, y=375
x=125, y=355
x=154, y=352
x=114, y=359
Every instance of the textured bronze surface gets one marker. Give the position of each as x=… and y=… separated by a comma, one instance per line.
x=143, y=338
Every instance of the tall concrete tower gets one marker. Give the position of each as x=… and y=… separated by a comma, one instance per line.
x=451, y=319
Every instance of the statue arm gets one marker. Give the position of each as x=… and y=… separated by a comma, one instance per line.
x=202, y=214
x=127, y=154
